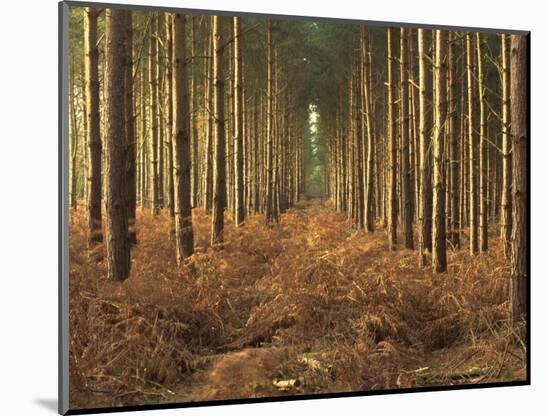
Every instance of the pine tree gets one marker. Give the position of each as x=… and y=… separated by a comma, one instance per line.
x=439, y=257
x=116, y=241
x=181, y=142
x=216, y=237
x=518, y=106
x=93, y=131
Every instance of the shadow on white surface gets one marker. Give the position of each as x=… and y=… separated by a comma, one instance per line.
x=49, y=404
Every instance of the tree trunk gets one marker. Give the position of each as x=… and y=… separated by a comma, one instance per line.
x=483, y=235
x=93, y=131
x=239, y=128
x=181, y=143
x=392, y=151
x=367, y=91
x=73, y=134
x=169, y=118
x=270, y=211
x=424, y=112
x=407, y=196
x=454, y=236
x=472, y=147
x=518, y=91
x=216, y=238
x=506, y=213
x=153, y=121
x=130, y=129
x=208, y=184
x=116, y=241
x=439, y=257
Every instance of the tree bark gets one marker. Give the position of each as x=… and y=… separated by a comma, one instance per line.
x=483, y=235
x=392, y=151
x=473, y=182
x=169, y=118
x=130, y=129
x=95, y=233
x=270, y=211
x=518, y=90
x=439, y=257
x=239, y=128
x=367, y=91
x=116, y=242
x=454, y=235
x=407, y=197
x=216, y=238
x=506, y=202
x=424, y=112
x=153, y=121
x=181, y=143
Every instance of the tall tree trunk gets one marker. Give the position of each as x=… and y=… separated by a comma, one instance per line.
x=153, y=121
x=130, y=129
x=518, y=91
x=506, y=202
x=216, y=238
x=74, y=132
x=424, y=113
x=483, y=235
x=439, y=257
x=472, y=146
x=116, y=241
x=454, y=148
x=208, y=184
x=161, y=81
x=367, y=91
x=239, y=128
x=181, y=143
x=392, y=151
x=143, y=140
x=193, y=132
x=407, y=196
x=169, y=117
x=270, y=211
x=93, y=131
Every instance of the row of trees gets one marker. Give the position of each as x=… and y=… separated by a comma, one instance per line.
x=435, y=136
x=422, y=131
x=186, y=115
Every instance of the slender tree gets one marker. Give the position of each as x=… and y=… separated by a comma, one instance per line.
x=407, y=190
x=439, y=257
x=181, y=143
x=454, y=167
x=473, y=180
x=153, y=153
x=483, y=233
x=518, y=92
x=216, y=238
x=169, y=117
x=506, y=202
x=130, y=128
x=370, y=172
x=424, y=149
x=93, y=131
x=392, y=151
x=116, y=242
x=270, y=211
x=239, y=127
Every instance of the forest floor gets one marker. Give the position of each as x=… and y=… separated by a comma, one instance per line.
x=309, y=305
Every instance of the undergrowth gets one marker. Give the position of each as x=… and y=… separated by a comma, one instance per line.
x=305, y=306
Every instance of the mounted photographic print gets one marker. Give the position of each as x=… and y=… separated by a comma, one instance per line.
x=264, y=208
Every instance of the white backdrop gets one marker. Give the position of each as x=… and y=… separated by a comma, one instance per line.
x=28, y=207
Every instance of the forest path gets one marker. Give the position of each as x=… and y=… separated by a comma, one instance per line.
x=330, y=289
x=308, y=305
